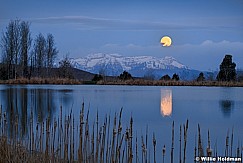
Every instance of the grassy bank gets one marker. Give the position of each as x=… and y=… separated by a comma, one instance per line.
x=58, y=81
x=143, y=82
x=106, y=140
x=138, y=82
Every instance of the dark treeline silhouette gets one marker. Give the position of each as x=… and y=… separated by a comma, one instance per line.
x=125, y=76
x=227, y=69
x=201, y=77
x=166, y=77
x=19, y=58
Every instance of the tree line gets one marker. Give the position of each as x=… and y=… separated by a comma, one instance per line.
x=227, y=73
x=21, y=56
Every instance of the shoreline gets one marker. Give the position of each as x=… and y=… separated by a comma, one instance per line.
x=134, y=82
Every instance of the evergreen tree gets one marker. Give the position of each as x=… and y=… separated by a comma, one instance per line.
x=97, y=78
x=125, y=76
x=201, y=77
x=227, y=69
x=165, y=77
x=175, y=77
x=65, y=68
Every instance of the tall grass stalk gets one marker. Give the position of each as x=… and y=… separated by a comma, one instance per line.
x=61, y=140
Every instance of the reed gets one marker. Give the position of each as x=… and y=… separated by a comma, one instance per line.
x=163, y=153
x=200, y=147
x=180, y=147
x=99, y=141
x=172, y=143
x=154, y=144
x=185, y=126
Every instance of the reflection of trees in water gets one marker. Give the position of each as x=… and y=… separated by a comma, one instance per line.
x=18, y=103
x=23, y=100
x=42, y=104
x=227, y=107
x=65, y=98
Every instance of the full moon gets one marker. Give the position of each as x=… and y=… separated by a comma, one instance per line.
x=166, y=41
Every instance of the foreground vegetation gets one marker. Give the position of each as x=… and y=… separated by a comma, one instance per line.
x=98, y=141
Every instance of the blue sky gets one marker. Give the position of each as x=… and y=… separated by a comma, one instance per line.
x=202, y=31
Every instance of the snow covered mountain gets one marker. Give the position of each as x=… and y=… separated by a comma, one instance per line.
x=139, y=66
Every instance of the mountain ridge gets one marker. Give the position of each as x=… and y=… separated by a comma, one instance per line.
x=139, y=66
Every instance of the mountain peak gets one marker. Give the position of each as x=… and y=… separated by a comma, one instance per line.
x=114, y=64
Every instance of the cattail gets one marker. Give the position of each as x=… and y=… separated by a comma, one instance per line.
x=154, y=144
x=200, y=149
x=47, y=135
x=81, y=122
x=73, y=146
x=136, y=148
x=238, y=151
x=113, y=139
x=108, y=141
x=195, y=149
x=130, y=140
x=92, y=143
x=215, y=149
x=231, y=142
x=172, y=144
x=143, y=148
x=119, y=129
x=42, y=137
x=146, y=157
x=163, y=153
x=209, y=150
x=97, y=138
x=180, y=146
x=185, y=140
x=227, y=144
x=103, y=145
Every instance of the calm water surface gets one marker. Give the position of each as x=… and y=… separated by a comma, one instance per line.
x=216, y=109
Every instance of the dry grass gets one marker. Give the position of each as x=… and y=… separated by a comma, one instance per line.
x=172, y=83
x=58, y=81
x=94, y=141
x=141, y=82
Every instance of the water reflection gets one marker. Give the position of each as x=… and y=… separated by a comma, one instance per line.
x=166, y=103
x=226, y=102
x=20, y=102
x=227, y=107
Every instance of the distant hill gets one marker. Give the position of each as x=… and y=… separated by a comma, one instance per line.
x=81, y=75
x=75, y=73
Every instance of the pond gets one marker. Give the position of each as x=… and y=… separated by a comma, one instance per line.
x=218, y=110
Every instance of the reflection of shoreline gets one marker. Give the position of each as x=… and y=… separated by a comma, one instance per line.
x=166, y=103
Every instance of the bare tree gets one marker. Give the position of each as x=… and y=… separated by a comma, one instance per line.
x=25, y=44
x=51, y=52
x=10, y=44
x=15, y=44
x=39, y=54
